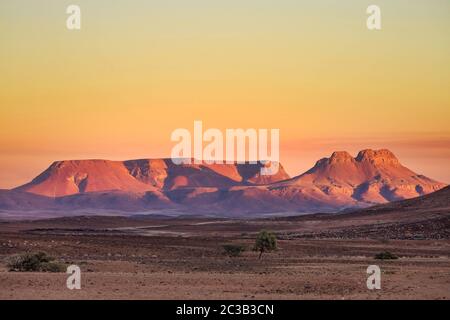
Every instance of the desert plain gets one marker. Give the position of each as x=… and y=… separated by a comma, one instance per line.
x=319, y=256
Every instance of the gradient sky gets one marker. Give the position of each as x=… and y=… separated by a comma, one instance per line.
x=137, y=70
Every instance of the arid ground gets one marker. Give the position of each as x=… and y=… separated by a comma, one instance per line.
x=319, y=257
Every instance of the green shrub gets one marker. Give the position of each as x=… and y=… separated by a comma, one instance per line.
x=34, y=262
x=265, y=241
x=386, y=255
x=233, y=250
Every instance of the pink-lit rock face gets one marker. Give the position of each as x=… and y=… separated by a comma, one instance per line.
x=335, y=183
x=71, y=177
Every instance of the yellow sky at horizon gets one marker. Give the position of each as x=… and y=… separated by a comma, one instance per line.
x=137, y=70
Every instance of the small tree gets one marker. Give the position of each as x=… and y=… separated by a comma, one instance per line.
x=265, y=241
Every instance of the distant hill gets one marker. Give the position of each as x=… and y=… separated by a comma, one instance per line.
x=425, y=217
x=438, y=201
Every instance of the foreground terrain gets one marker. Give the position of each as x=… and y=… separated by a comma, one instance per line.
x=319, y=256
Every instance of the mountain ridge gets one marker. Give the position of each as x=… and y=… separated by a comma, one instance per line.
x=335, y=183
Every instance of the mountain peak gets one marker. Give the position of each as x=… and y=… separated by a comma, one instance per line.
x=341, y=156
x=373, y=176
x=382, y=156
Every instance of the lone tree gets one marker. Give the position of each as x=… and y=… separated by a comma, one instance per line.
x=265, y=241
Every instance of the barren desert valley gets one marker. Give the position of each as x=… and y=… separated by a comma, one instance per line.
x=151, y=236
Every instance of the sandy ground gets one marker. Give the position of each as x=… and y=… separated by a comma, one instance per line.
x=335, y=279
x=122, y=259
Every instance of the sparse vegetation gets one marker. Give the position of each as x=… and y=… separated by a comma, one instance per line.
x=386, y=255
x=233, y=250
x=34, y=262
x=265, y=241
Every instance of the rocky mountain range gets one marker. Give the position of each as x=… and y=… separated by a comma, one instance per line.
x=333, y=184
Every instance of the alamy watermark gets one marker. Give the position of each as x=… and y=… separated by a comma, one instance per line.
x=374, y=20
x=374, y=279
x=74, y=280
x=73, y=21
x=232, y=149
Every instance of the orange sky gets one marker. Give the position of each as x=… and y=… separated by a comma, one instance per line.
x=137, y=70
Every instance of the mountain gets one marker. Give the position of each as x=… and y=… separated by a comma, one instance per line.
x=372, y=177
x=64, y=178
x=333, y=184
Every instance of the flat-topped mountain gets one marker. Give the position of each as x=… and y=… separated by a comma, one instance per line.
x=64, y=178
